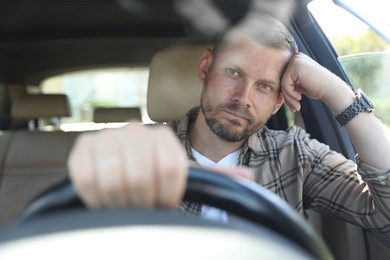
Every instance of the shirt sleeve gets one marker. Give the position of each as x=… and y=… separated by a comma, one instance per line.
x=356, y=192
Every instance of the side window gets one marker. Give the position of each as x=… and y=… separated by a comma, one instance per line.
x=86, y=90
x=364, y=55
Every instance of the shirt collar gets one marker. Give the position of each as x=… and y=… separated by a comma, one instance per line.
x=183, y=127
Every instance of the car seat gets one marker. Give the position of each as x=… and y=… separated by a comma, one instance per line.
x=116, y=114
x=32, y=160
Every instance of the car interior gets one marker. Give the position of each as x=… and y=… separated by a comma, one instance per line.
x=40, y=39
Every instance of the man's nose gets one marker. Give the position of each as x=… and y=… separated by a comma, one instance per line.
x=242, y=94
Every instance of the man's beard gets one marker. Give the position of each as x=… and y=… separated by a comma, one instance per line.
x=228, y=131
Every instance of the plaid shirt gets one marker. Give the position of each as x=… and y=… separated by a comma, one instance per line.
x=308, y=175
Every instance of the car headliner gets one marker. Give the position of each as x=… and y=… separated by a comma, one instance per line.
x=39, y=38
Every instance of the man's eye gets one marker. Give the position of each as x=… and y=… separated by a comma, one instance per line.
x=233, y=73
x=264, y=86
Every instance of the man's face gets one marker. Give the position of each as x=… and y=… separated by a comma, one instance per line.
x=241, y=87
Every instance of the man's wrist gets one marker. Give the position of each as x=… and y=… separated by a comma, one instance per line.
x=339, y=96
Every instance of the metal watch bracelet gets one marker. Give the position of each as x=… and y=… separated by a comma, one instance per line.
x=361, y=104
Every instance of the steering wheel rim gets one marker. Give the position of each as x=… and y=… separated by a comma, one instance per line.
x=240, y=197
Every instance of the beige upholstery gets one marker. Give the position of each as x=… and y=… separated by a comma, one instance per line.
x=15, y=91
x=173, y=74
x=32, y=161
x=116, y=114
x=40, y=106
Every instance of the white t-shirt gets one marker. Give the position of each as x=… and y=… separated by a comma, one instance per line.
x=229, y=160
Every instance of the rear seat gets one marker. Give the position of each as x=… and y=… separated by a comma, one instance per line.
x=40, y=106
x=116, y=114
x=32, y=160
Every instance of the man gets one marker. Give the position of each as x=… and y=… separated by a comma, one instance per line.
x=246, y=78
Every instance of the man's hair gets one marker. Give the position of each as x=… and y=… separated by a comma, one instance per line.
x=264, y=29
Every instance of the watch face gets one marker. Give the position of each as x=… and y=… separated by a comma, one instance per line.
x=369, y=106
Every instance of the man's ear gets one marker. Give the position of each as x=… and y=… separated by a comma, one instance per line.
x=204, y=64
x=279, y=103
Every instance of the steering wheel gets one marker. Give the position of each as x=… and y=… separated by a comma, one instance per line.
x=242, y=198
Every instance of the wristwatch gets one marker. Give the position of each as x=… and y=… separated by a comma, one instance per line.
x=361, y=104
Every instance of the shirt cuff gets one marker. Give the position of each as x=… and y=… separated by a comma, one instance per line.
x=372, y=174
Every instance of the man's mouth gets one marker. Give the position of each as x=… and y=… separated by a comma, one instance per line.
x=236, y=114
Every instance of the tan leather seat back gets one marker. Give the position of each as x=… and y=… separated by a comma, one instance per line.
x=174, y=87
x=40, y=106
x=116, y=114
x=32, y=160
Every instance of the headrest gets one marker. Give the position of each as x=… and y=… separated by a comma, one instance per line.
x=26, y=107
x=115, y=114
x=174, y=87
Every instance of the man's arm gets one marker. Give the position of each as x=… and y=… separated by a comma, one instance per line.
x=369, y=136
x=370, y=207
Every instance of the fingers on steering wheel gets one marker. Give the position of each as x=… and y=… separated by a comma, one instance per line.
x=82, y=174
x=139, y=180
x=109, y=169
x=171, y=171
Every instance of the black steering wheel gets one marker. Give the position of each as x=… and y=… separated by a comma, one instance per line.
x=242, y=198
